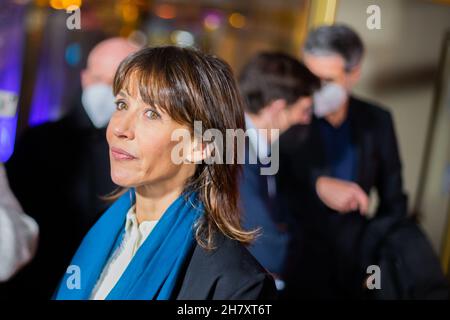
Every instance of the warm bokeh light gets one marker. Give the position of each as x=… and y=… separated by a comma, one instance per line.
x=130, y=12
x=68, y=3
x=237, y=20
x=41, y=3
x=165, y=11
x=56, y=4
x=64, y=4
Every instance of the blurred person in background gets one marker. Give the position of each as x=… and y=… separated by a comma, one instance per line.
x=68, y=161
x=18, y=232
x=350, y=148
x=277, y=90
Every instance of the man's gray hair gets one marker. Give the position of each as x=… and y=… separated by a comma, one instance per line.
x=336, y=39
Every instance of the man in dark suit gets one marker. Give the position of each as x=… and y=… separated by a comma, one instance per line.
x=59, y=171
x=277, y=90
x=328, y=168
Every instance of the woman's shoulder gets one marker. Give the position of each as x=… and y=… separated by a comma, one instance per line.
x=229, y=271
x=230, y=257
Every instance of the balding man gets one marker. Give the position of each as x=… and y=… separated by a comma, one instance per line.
x=59, y=171
x=97, y=78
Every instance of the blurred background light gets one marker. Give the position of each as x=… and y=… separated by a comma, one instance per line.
x=237, y=20
x=12, y=36
x=41, y=3
x=165, y=11
x=182, y=38
x=73, y=54
x=68, y=3
x=61, y=4
x=56, y=4
x=130, y=12
x=212, y=21
x=138, y=37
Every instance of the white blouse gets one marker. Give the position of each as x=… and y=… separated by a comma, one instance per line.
x=135, y=235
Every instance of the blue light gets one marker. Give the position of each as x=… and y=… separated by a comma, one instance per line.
x=12, y=35
x=73, y=54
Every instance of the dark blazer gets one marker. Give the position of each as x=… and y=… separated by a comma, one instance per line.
x=263, y=210
x=228, y=272
x=329, y=240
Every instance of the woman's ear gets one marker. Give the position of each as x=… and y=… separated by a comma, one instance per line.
x=200, y=151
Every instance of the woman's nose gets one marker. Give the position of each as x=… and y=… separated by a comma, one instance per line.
x=124, y=128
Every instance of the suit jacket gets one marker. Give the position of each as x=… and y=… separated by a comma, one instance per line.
x=329, y=239
x=227, y=272
x=262, y=209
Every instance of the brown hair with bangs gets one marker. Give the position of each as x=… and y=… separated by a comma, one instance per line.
x=192, y=86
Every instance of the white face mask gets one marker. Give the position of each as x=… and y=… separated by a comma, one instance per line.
x=98, y=101
x=328, y=99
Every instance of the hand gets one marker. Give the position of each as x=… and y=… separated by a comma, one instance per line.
x=342, y=196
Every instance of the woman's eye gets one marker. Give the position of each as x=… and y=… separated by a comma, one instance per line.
x=120, y=105
x=152, y=115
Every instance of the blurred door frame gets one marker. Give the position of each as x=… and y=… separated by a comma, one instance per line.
x=433, y=194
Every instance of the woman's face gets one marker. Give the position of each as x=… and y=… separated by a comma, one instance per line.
x=140, y=144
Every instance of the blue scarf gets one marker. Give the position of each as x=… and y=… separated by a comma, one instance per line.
x=153, y=271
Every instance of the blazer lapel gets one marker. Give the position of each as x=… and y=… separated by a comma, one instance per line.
x=363, y=144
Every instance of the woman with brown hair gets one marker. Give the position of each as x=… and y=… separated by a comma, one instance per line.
x=174, y=232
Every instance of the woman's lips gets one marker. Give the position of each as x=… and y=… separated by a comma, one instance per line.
x=120, y=154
